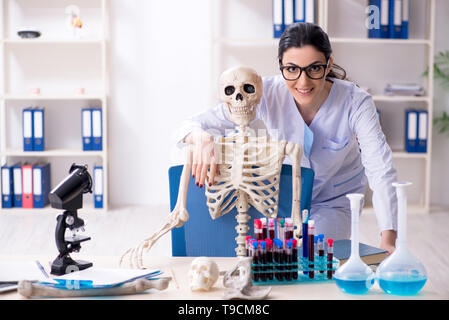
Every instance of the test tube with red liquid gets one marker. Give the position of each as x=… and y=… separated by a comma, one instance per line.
x=255, y=255
x=311, y=233
x=330, y=257
x=288, y=260
x=295, y=258
x=270, y=274
x=263, y=260
x=264, y=228
x=288, y=228
x=258, y=229
x=321, y=249
x=271, y=232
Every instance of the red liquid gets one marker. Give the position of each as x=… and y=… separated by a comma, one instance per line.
x=270, y=268
x=321, y=254
x=311, y=256
x=264, y=232
x=255, y=268
x=288, y=261
x=295, y=263
x=271, y=234
x=330, y=257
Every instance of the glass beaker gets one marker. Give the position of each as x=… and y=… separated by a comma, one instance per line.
x=401, y=273
x=354, y=277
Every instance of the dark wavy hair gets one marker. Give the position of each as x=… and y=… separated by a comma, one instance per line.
x=303, y=33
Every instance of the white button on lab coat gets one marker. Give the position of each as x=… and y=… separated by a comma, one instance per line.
x=344, y=145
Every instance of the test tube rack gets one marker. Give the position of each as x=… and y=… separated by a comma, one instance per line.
x=281, y=273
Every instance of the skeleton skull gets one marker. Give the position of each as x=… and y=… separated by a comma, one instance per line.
x=203, y=274
x=241, y=90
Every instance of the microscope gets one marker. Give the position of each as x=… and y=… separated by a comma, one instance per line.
x=68, y=196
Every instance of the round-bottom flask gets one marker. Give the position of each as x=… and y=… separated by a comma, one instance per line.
x=401, y=273
x=354, y=277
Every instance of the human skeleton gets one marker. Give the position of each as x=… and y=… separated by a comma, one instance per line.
x=249, y=168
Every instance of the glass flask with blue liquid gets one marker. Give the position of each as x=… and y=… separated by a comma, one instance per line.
x=355, y=277
x=401, y=273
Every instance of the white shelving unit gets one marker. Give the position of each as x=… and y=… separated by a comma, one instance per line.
x=58, y=64
x=336, y=17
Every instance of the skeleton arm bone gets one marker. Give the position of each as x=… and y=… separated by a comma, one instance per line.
x=175, y=219
x=294, y=151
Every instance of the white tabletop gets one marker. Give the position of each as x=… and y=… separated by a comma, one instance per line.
x=178, y=289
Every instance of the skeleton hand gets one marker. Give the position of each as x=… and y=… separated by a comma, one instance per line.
x=202, y=144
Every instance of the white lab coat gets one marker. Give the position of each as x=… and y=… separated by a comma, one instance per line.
x=344, y=145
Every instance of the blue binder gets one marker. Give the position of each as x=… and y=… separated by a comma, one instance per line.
x=288, y=13
x=411, y=130
x=98, y=186
x=27, y=129
x=299, y=10
x=421, y=143
x=374, y=31
x=278, y=18
x=309, y=11
x=86, y=128
x=405, y=18
x=7, y=187
x=395, y=19
x=97, y=130
x=38, y=129
x=384, y=19
x=41, y=184
x=17, y=181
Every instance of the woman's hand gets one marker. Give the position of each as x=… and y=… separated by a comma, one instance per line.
x=388, y=240
x=203, y=156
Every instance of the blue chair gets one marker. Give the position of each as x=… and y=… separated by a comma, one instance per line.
x=203, y=236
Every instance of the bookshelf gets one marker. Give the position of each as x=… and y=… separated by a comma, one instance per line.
x=231, y=45
x=59, y=64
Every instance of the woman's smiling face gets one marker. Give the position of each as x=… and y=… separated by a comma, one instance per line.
x=306, y=91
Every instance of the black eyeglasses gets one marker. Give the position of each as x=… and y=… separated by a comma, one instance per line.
x=314, y=71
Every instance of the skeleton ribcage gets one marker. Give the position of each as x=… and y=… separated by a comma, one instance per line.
x=247, y=165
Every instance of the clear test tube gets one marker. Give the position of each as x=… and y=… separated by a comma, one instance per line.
x=281, y=233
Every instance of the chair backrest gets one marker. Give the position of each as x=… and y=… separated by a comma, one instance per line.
x=203, y=236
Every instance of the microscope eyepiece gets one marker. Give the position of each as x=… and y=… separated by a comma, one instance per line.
x=67, y=195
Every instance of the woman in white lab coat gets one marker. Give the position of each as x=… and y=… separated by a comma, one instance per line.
x=311, y=103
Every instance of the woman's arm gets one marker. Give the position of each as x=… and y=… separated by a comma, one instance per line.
x=377, y=159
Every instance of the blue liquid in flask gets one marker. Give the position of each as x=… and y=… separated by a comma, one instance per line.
x=355, y=286
x=402, y=285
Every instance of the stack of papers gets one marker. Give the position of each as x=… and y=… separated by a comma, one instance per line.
x=11, y=272
x=404, y=89
x=95, y=278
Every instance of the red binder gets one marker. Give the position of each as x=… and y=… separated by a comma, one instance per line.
x=27, y=186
